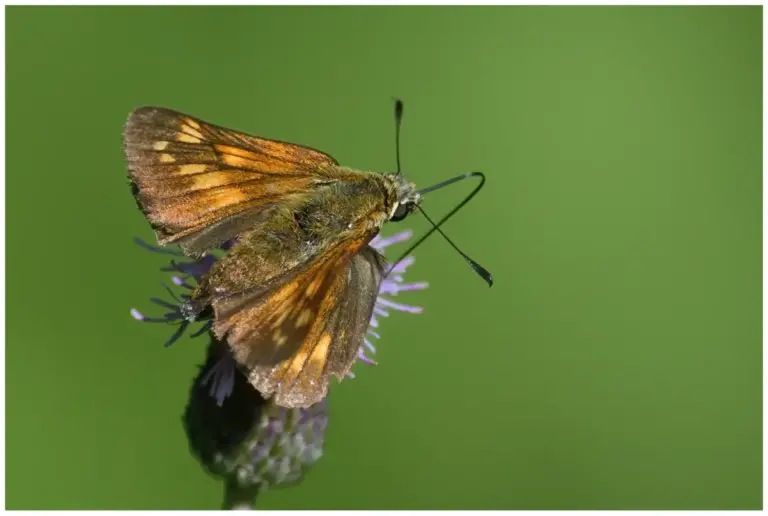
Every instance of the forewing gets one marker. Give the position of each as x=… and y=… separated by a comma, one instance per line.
x=293, y=337
x=199, y=184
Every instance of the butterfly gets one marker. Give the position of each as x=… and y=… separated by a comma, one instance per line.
x=293, y=296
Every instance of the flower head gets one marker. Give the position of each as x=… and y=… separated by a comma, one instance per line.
x=249, y=442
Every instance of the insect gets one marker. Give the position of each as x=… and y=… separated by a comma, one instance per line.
x=293, y=296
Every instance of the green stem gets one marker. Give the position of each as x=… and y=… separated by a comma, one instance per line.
x=237, y=497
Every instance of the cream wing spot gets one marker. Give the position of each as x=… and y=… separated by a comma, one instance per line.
x=279, y=337
x=313, y=287
x=167, y=158
x=303, y=318
x=204, y=181
x=195, y=168
x=216, y=199
x=235, y=161
x=192, y=123
x=192, y=132
x=160, y=145
x=320, y=352
x=296, y=363
x=186, y=138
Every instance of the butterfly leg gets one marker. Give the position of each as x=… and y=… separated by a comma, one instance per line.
x=195, y=309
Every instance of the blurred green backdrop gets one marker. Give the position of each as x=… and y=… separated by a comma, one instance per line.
x=616, y=363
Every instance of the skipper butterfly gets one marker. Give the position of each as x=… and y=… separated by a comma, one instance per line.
x=293, y=296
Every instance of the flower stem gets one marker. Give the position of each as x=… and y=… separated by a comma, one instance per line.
x=239, y=498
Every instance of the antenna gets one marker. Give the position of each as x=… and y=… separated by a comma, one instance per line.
x=398, y=122
x=480, y=270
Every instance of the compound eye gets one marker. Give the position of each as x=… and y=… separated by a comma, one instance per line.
x=401, y=212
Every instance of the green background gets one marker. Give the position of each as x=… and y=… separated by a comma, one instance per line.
x=616, y=363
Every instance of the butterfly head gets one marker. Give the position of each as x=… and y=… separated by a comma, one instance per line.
x=404, y=195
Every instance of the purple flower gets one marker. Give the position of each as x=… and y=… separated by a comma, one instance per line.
x=220, y=378
x=250, y=443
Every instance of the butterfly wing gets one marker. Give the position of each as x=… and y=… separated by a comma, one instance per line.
x=200, y=185
x=292, y=333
